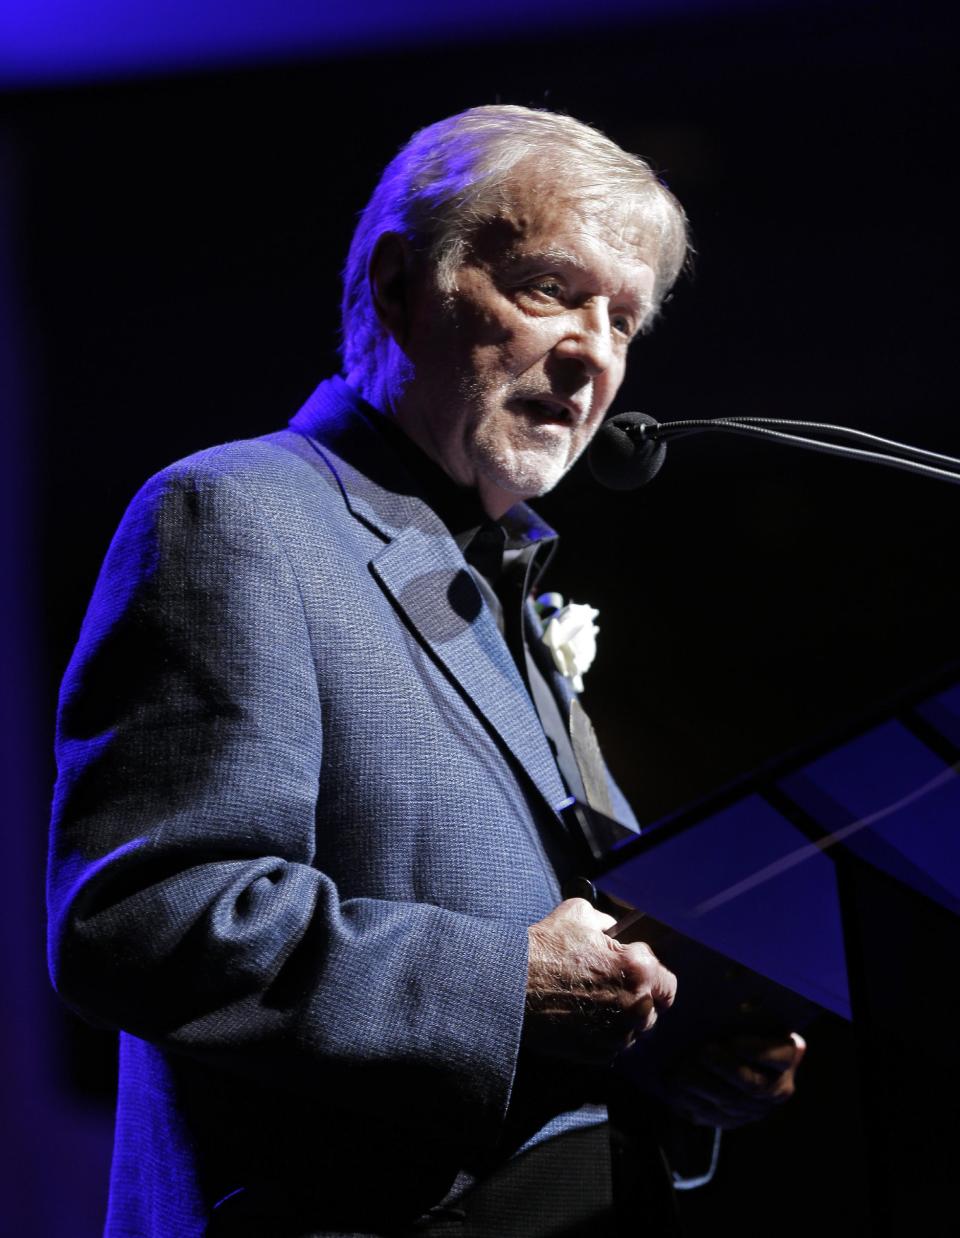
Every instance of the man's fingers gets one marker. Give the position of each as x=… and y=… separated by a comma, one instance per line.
x=654, y=984
x=763, y=1068
x=721, y=1102
x=769, y=1054
x=643, y=1014
x=642, y=966
x=733, y=1082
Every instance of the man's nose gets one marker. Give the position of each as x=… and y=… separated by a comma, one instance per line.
x=589, y=339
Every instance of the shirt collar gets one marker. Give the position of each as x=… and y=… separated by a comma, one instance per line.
x=519, y=529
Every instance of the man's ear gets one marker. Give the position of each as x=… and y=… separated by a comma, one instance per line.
x=389, y=275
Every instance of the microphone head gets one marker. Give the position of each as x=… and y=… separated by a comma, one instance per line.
x=624, y=456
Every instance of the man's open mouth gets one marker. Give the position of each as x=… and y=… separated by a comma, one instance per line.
x=545, y=410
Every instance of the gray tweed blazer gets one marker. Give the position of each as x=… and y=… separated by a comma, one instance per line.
x=303, y=818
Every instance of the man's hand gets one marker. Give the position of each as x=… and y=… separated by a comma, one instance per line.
x=588, y=995
x=734, y=1082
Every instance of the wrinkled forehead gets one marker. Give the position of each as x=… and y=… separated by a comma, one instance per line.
x=540, y=205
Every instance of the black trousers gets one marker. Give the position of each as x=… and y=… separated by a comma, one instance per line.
x=593, y=1183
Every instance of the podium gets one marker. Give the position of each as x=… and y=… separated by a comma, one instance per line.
x=833, y=878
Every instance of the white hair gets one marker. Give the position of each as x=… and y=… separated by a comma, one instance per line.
x=454, y=175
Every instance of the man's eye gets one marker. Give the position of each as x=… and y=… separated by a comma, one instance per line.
x=549, y=287
x=623, y=323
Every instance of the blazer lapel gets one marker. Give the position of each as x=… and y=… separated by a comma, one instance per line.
x=434, y=589
x=425, y=574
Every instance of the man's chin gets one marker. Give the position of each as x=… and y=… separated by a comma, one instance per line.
x=515, y=480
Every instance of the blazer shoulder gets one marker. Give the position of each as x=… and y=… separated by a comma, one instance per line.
x=258, y=465
x=278, y=479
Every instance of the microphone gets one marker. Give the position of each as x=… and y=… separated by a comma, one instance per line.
x=625, y=454
x=629, y=449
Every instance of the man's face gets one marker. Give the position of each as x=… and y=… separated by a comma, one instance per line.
x=512, y=373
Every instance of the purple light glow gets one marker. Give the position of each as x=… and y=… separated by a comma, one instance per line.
x=57, y=41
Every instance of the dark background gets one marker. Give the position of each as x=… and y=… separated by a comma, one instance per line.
x=169, y=277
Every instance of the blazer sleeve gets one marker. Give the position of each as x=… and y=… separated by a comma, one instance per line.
x=184, y=903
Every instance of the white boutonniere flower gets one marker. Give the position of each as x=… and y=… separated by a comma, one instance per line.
x=570, y=633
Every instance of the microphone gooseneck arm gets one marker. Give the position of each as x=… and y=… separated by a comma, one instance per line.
x=911, y=458
x=904, y=449
x=630, y=448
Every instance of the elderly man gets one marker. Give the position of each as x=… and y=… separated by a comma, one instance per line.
x=307, y=848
